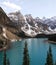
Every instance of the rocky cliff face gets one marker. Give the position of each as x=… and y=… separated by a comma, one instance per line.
x=17, y=18
x=4, y=19
x=7, y=24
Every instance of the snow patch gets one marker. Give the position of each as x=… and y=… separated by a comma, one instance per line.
x=5, y=35
x=13, y=40
x=27, y=30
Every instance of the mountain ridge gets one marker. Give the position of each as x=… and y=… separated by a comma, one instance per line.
x=7, y=24
x=35, y=24
x=16, y=23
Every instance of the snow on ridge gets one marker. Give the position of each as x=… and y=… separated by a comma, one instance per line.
x=5, y=35
x=11, y=16
x=27, y=29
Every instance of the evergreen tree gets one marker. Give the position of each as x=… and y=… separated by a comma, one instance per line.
x=4, y=59
x=8, y=63
x=49, y=60
x=26, y=55
x=55, y=63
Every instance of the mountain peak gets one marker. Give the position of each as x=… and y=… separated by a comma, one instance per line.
x=15, y=13
x=1, y=10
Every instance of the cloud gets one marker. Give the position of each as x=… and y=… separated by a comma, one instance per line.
x=11, y=5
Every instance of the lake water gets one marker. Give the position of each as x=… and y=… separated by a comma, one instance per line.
x=37, y=49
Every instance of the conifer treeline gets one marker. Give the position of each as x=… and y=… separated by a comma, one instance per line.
x=49, y=59
x=26, y=55
x=5, y=60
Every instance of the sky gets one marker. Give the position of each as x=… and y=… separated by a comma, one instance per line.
x=38, y=8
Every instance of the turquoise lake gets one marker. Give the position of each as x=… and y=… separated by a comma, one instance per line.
x=37, y=49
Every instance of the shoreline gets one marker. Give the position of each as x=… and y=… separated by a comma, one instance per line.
x=53, y=42
x=7, y=46
x=4, y=48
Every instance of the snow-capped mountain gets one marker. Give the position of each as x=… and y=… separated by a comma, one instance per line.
x=17, y=17
x=16, y=23
x=33, y=26
x=50, y=22
x=26, y=23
